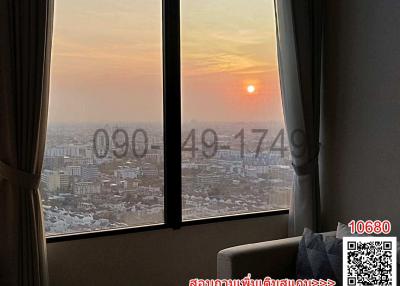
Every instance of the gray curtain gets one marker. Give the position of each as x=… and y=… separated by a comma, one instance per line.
x=25, y=36
x=300, y=37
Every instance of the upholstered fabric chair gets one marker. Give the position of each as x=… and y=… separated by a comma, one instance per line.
x=276, y=259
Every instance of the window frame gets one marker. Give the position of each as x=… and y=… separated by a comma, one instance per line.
x=172, y=124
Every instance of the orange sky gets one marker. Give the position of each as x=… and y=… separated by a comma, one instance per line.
x=106, y=64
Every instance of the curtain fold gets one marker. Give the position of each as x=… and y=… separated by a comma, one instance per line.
x=299, y=38
x=25, y=41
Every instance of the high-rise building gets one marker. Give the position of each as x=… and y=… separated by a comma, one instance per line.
x=73, y=171
x=90, y=172
x=55, y=181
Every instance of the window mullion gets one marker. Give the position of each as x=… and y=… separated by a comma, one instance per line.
x=172, y=113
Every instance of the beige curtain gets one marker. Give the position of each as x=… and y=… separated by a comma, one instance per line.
x=300, y=38
x=25, y=40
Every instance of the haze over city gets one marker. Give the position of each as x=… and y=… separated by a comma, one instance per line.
x=106, y=64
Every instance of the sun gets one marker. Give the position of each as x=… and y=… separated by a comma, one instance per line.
x=251, y=89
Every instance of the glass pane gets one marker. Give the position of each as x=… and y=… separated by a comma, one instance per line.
x=103, y=165
x=235, y=155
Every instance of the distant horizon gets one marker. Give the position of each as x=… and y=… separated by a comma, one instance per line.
x=106, y=61
x=160, y=122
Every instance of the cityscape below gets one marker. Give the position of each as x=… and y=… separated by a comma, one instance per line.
x=103, y=176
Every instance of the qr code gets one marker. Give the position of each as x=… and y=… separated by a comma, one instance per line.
x=369, y=261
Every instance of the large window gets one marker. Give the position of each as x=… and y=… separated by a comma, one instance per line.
x=103, y=165
x=118, y=154
x=235, y=156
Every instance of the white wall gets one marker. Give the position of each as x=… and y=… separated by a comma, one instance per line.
x=164, y=257
x=361, y=112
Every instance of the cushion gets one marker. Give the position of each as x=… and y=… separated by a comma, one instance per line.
x=319, y=257
x=343, y=230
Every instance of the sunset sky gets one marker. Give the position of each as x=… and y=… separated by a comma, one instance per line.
x=106, y=64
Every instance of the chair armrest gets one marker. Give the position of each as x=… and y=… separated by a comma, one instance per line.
x=276, y=259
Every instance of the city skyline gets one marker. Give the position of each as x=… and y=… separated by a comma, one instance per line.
x=88, y=184
x=104, y=158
